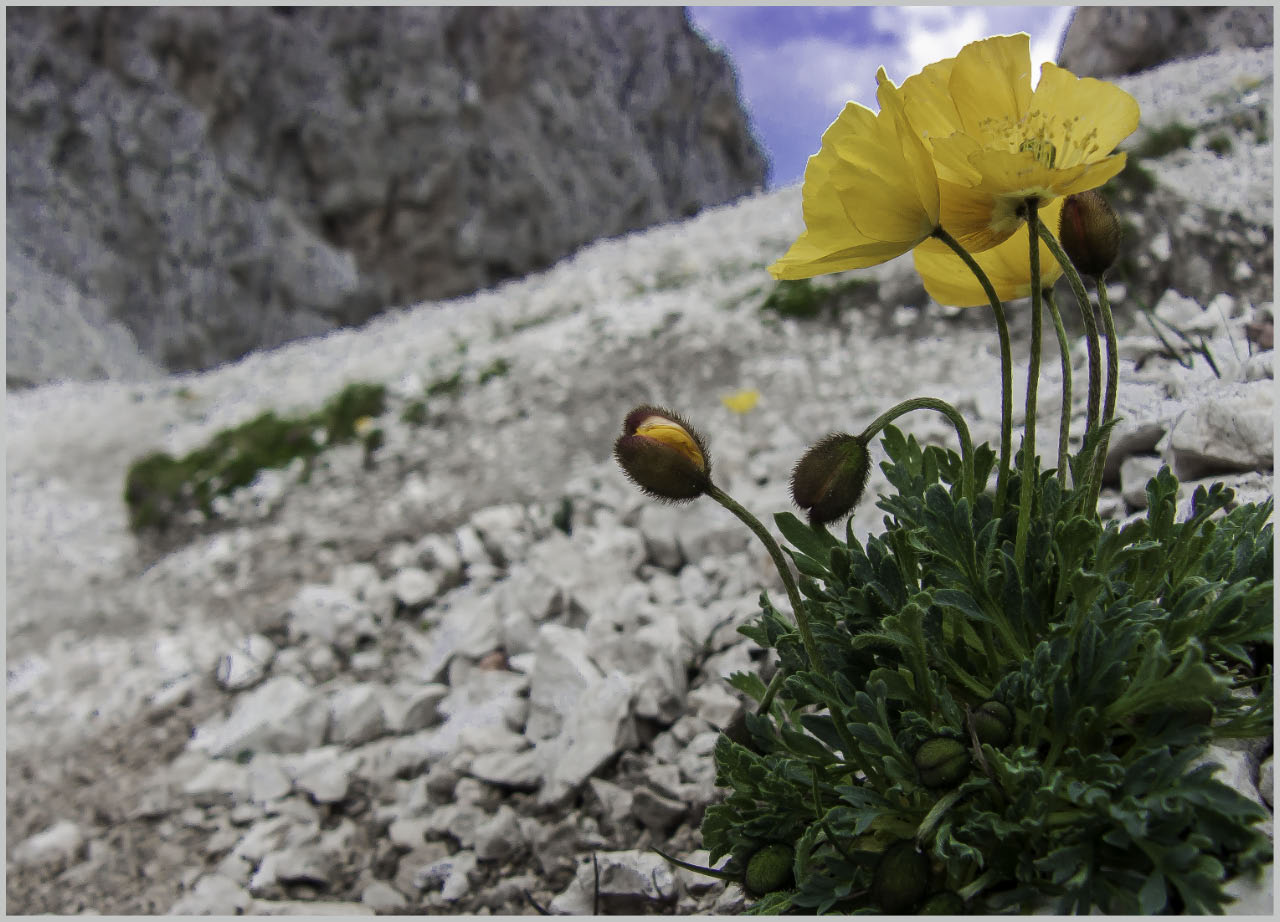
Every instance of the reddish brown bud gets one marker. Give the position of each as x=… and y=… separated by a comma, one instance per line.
x=663, y=455
x=828, y=481
x=1090, y=232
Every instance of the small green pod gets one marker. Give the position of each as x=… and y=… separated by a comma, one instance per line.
x=902, y=878
x=993, y=723
x=770, y=868
x=942, y=762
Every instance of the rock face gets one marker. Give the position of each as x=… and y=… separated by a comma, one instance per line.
x=1110, y=41
x=187, y=185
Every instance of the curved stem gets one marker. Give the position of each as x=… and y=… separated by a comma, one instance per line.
x=1090, y=326
x=1064, y=425
x=852, y=752
x=947, y=410
x=1113, y=385
x=1006, y=368
x=1033, y=375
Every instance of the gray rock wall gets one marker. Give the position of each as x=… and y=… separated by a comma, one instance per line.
x=214, y=181
x=1110, y=41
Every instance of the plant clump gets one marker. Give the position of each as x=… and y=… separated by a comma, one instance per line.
x=159, y=488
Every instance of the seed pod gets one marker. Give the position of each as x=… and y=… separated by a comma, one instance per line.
x=993, y=723
x=902, y=878
x=663, y=455
x=943, y=903
x=942, y=762
x=1090, y=232
x=770, y=868
x=828, y=481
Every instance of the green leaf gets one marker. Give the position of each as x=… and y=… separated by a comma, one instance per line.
x=812, y=542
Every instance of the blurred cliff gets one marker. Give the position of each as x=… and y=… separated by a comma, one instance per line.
x=189, y=185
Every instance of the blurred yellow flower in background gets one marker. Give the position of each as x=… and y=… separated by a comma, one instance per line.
x=743, y=401
x=870, y=192
x=1007, y=265
x=995, y=142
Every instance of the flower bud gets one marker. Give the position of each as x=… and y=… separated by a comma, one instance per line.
x=1089, y=232
x=901, y=880
x=942, y=762
x=663, y=455
x=769, y=869
x=828, y=481
x=993, y=722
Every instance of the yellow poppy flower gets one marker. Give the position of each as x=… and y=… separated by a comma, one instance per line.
x=743, y=401
x=870, y=193
x=996, y=142
x=1008, y=266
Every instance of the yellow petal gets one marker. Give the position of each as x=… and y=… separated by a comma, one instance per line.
x=1087, y=117
x=808, y=258
x=1019, y=173
x=673, y=435
x=977, y=219
x=927, y=99
x=921, y=173
x=1096, y=174
x=991, y=83
x=1008, y=266
x=743, y=401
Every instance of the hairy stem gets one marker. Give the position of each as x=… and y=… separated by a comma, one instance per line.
x=1113, y=385
x=947, y=410
x=1033, y=376
x=1006, y=368
x=1064, y=348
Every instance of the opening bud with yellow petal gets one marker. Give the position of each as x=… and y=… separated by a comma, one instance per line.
x=663, y=455
x=828, y=481
x=1090, y=232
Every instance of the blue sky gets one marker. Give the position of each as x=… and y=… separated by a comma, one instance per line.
x=798, y=65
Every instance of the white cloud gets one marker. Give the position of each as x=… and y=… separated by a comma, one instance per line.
x=815, y=68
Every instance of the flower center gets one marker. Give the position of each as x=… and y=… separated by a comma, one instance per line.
x=1054, y=141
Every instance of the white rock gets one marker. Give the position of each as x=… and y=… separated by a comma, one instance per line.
x=520, y=771
x=213, y=895
x=414, y=707
x=415, y=587
x=308, y=908
x=631, y=883
x=615, y=800
x=61, y=842
x=322, y=774
x=323, y=612
x=596, y=727
x=438, y=554
x=245, y=665
x=656, y=812
x=383, y=898
x=471, y=550
x=357, y=714
x=500, y=837
x=1235, y=771
x=1266, y=780
x=220, y=779
x=1253, y=898
x=1135, y=471
x=505, y=531
x=654, y=657
x=281, y=715
x=714, y=703
x=1231, y=431
x=697, y=884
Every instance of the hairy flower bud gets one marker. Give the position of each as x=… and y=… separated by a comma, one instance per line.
x=769, y=869
x=828, y=481
x=942, y=762
x=1089, y=232
x=993, y=722
x=902, y=878
x=663, y=455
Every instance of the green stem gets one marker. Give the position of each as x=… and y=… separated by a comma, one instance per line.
x=1064, y=425
x=793, y=594
x=1090, y=326
x=1006, y=368
x=1113, y=384
x=1033, y=376
x=947, y=410
x=772, y=691
x=797, y=607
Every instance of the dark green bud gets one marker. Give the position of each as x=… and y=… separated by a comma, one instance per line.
x=944, y=903
x=993, y=723
x=828, y=481
x=1090, y=232
x=942, y=762
x=901, y=880
x=770, y=868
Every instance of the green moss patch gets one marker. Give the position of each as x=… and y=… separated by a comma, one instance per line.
x=159, y=487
